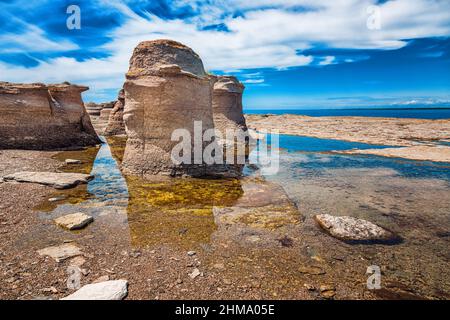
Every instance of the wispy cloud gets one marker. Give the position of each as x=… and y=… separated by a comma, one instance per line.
x=254, y=35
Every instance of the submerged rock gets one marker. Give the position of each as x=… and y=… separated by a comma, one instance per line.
x=62, y=252
x=353, y=229
x=57, y=180
x=40, y=117
x=74, y=221
x=106, y=290
x=116, y=125
x=166, y=89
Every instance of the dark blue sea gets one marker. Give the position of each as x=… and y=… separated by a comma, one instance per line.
x=423, y=113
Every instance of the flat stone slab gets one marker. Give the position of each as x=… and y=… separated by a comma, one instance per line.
x=62, y=252
x=57, y=180
x=354, y=230
x=106, y=290
x=74, y=221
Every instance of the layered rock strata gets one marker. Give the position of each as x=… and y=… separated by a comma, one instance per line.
x=166, y=89
x=38, y=116
x=116, y=126
x=228, y=116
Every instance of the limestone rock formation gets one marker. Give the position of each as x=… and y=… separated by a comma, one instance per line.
x=228, y=116
x=99, y=114
x=167, y=88
x=106, y=110
x=116, y=125
x=38, y=116
x=227, y=104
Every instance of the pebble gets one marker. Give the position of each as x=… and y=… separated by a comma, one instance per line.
x=327, y=291
x=195, y=273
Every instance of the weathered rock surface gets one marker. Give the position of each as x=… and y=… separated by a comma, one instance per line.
x=99, y=114
x=74, y=221
x=227, y=104
x=38, y=116
x=229, y=118
x=167, y=88
x=62, y=252
x=57, y=180
x=106, y=290
x=116, y=125
x=353, y=229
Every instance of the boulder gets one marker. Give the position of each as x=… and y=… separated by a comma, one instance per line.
x=106, y=290
x=40, y=117
x=166, y=88
x=354, y=230
x=74, y=221
x=62, y=252
x=116, y=125
x=57, y=180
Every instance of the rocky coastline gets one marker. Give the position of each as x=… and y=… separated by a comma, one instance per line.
x=415, y=139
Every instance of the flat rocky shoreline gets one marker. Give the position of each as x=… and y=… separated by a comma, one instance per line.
x=416, y=139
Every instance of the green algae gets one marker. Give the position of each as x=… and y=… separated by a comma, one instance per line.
x=117, y=145
x=86, y=156
x=177, y=212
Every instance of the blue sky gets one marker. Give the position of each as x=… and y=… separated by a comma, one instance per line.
x=289, y=53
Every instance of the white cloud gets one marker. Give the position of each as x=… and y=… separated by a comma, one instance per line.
x=262, y=38
x=32, y=39
x=327, y=60
x=253, y=81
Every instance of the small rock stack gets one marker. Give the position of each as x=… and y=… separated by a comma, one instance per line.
x=116, y=126
x=41, y=117
x=99, y=114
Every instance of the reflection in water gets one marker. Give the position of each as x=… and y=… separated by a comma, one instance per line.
x=249, y=225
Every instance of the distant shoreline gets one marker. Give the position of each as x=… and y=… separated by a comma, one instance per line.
x=410, y=113
x=336, y=109
x=416, y=139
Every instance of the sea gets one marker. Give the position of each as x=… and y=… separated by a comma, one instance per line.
x=418, y=113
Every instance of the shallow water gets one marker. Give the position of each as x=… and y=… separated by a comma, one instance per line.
x=241, y=222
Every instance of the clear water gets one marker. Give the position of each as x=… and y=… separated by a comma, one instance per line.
x=244, y=219
x=313, y=155
x=439, y=113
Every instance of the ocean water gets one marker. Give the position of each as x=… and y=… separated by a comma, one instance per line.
x=438, y=113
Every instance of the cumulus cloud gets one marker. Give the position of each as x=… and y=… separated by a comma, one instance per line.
x=259, y=34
